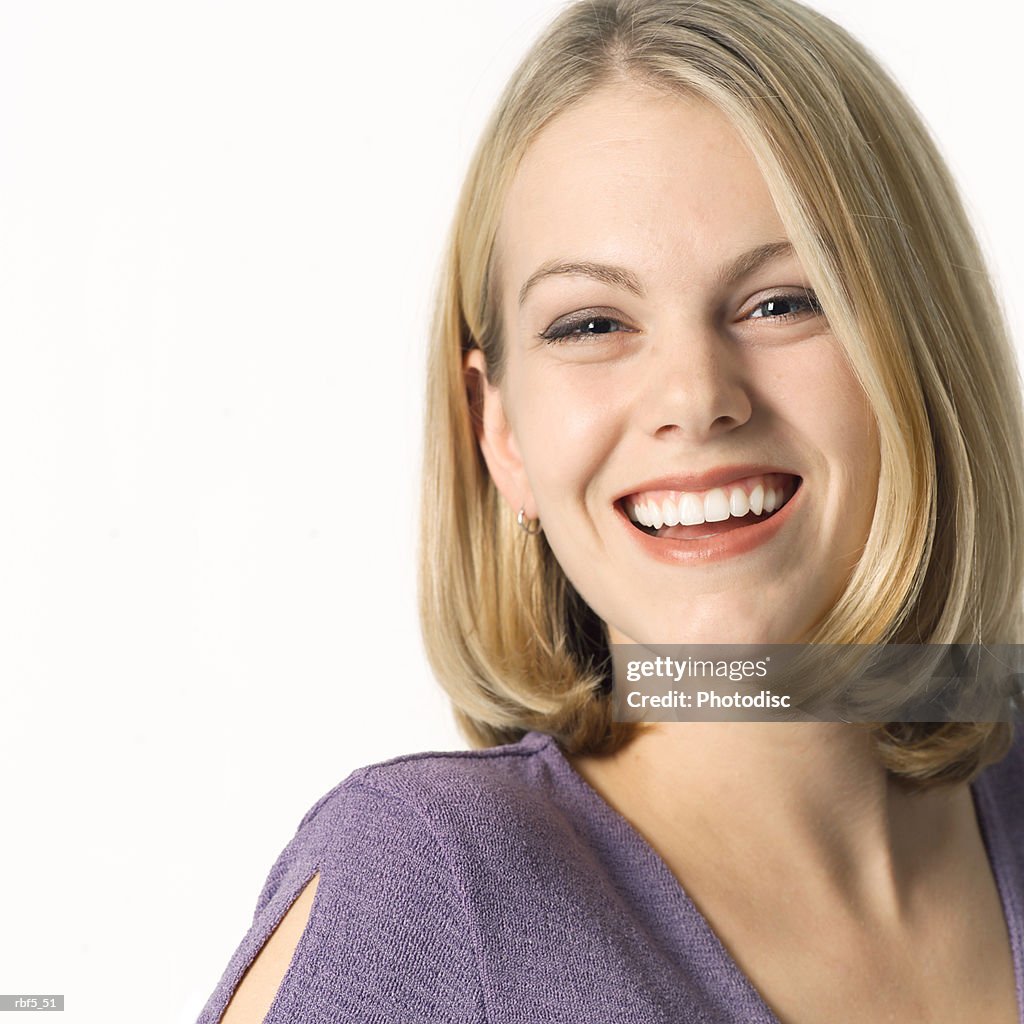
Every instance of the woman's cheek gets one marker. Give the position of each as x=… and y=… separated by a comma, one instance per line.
x=573, y=431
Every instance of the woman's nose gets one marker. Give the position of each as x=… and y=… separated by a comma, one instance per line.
x=695, y=386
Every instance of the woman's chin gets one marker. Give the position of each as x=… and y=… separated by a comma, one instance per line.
x=722, y=629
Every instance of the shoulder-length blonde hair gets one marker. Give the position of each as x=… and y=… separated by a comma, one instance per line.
x=877, y=221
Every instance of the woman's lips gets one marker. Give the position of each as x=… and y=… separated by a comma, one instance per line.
x=709, y=542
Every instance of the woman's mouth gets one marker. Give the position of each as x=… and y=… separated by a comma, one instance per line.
x=684, y=515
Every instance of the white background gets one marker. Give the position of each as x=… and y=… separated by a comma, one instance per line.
x=221, y=225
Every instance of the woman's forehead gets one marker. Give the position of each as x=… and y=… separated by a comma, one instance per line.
x=634, y=177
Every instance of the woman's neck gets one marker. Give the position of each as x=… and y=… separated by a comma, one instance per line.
x=782, y=807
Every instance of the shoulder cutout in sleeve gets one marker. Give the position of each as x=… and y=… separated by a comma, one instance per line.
x=387, y=936
x=256, y=991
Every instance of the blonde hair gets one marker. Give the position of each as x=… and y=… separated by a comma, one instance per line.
x=877, y=221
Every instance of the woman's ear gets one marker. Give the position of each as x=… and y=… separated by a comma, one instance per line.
x=495, y=436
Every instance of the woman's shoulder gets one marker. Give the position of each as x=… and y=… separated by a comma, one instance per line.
x=394, y=848
x=1008, y=771
x=1001, y=786
x=420, y=806
x=446, y=782
x=1000, y=791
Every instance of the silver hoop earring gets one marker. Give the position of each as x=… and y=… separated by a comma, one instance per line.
x=530, y=526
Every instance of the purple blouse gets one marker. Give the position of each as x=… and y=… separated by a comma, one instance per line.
x=497, y=885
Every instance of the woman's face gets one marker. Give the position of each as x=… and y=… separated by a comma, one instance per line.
x=669, y=375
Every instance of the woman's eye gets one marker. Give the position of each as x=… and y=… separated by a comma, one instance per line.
x=583, y=327
x=783, y=307
x=786, y=307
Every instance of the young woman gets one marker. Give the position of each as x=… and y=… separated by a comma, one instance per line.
x=705, y=252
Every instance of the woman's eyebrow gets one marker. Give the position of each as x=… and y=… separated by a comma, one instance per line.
x=606, y=272
x=744, y=264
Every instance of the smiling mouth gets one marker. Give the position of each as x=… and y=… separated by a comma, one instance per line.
x=676, y=515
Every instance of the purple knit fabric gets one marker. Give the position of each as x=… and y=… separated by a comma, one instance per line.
x=497, y=885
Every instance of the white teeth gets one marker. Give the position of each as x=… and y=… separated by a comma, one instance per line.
x=757, y=499
x=738, y=504
x=691, y=510
x=716, y=506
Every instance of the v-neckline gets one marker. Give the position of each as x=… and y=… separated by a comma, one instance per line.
x=683, y=911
